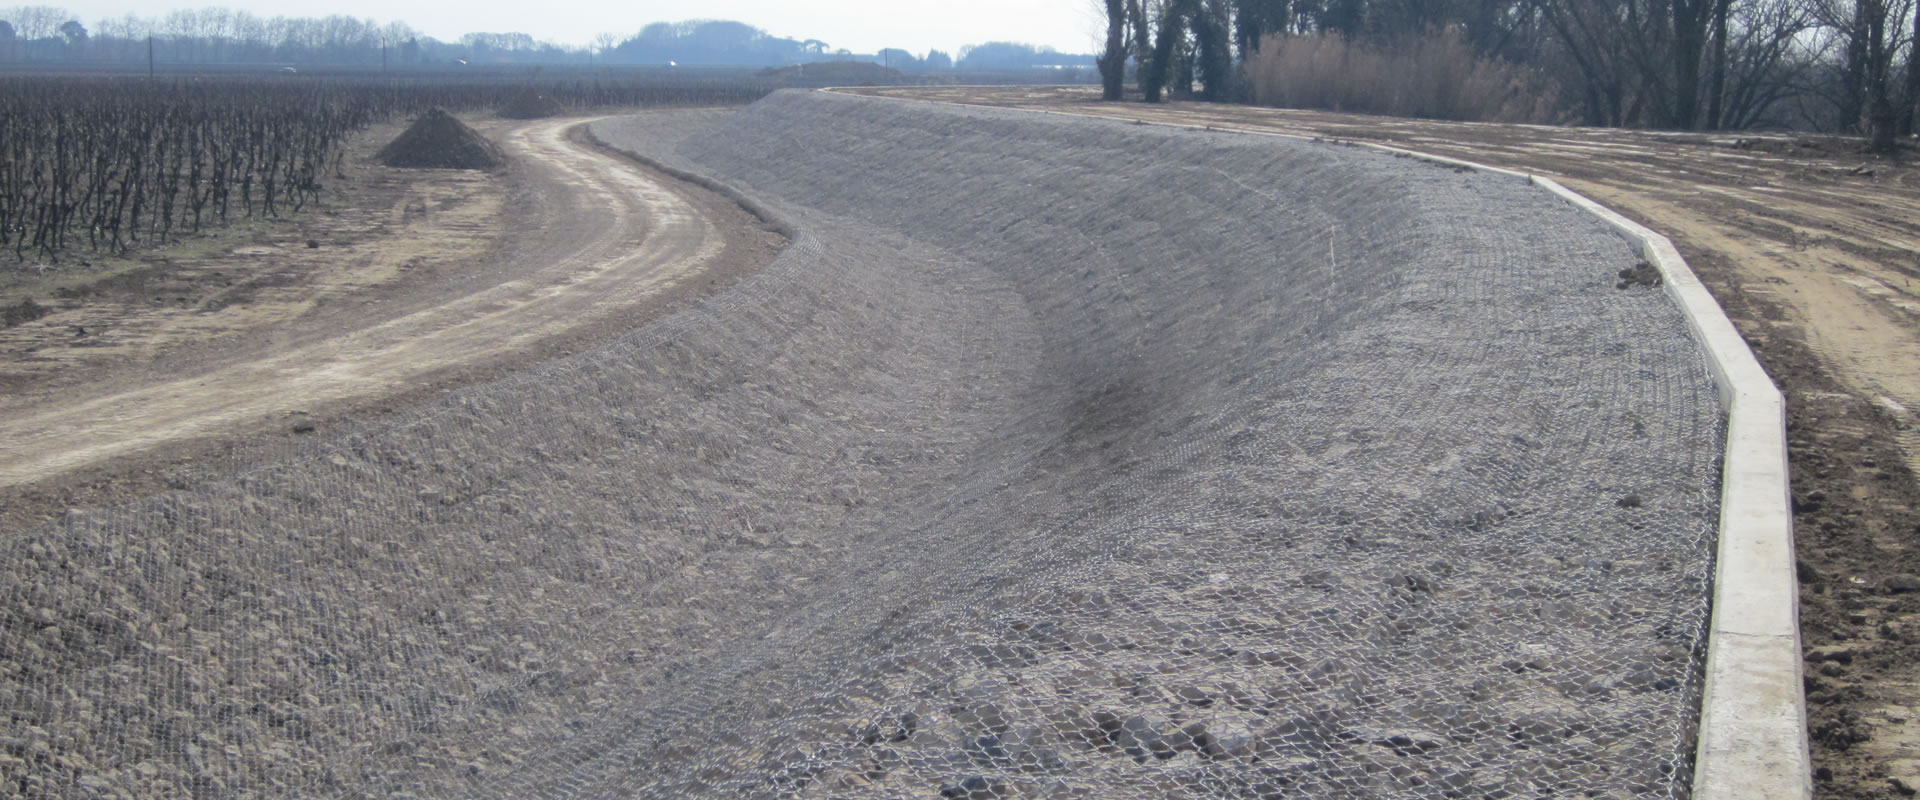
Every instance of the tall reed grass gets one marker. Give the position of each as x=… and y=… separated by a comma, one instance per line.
x=1433, y=76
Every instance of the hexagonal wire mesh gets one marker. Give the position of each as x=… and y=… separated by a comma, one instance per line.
x=1053, y=458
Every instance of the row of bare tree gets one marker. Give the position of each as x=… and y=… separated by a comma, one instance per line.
x=107, y=165
x=1842, y=65
x=216, y=35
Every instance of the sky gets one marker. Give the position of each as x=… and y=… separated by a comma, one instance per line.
x=863, y=26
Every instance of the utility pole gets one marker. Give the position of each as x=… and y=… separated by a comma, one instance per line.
x=150, y=75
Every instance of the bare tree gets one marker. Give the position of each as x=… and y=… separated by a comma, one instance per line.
x=1254, y=19
x=1113, y=62
x=74, y=35
x=1194, y=41
x=1910, y=89
x=1168, y=44
x=1140, y=36
x=1690, y=21
x=1872, y=33
x=1769, y=47
x=1602, y=45
x=37, y=22
x=1643, y=61
x=1213, y=48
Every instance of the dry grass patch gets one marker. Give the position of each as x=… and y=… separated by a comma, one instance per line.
x=1435, y=76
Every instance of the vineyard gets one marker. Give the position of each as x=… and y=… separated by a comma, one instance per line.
x=101, y=164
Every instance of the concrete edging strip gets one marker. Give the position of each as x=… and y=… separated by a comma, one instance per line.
x=1753, y=715
x=1752, y=741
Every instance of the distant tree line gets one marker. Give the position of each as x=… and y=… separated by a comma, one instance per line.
x=46, y=34
x=222, y=36
x=724, y=43
x=1837, y=65
x=717, y=43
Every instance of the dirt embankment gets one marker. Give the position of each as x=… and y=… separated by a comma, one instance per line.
x=979, y=488
x=136, y=373
x=1812, y=246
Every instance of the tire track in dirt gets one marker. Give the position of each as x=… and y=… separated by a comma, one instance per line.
x=648, y=238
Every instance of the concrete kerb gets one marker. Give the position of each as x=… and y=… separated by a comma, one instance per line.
x=1753, y=716
x=1753, y=719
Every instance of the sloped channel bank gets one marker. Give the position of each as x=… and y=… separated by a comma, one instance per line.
x=1054, y=458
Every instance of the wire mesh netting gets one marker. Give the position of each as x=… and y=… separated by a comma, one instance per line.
x=1054, y=458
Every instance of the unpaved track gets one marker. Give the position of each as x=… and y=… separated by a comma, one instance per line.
x=642, y=239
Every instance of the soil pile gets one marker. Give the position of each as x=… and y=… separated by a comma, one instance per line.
x=532, y=103
x=439, y=141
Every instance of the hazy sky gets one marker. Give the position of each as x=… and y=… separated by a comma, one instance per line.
x=863, y=26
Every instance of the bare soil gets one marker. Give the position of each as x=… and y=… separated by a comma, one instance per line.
x=1811, y=245
x=148, y=369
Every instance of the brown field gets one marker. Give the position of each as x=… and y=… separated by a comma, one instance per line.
x=1811, y=245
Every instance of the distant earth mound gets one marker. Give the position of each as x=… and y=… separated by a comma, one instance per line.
x=532, y=103
x=835, y=73
x=437, y=140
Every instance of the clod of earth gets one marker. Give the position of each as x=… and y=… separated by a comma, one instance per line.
x=1641, y=274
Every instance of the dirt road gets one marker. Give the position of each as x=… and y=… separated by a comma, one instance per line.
x=1812, y=246
x=574, y=245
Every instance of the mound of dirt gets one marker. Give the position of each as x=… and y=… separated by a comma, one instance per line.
x=439, y=141
x=532, y=103
x=835, y=73
x=21, y=313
